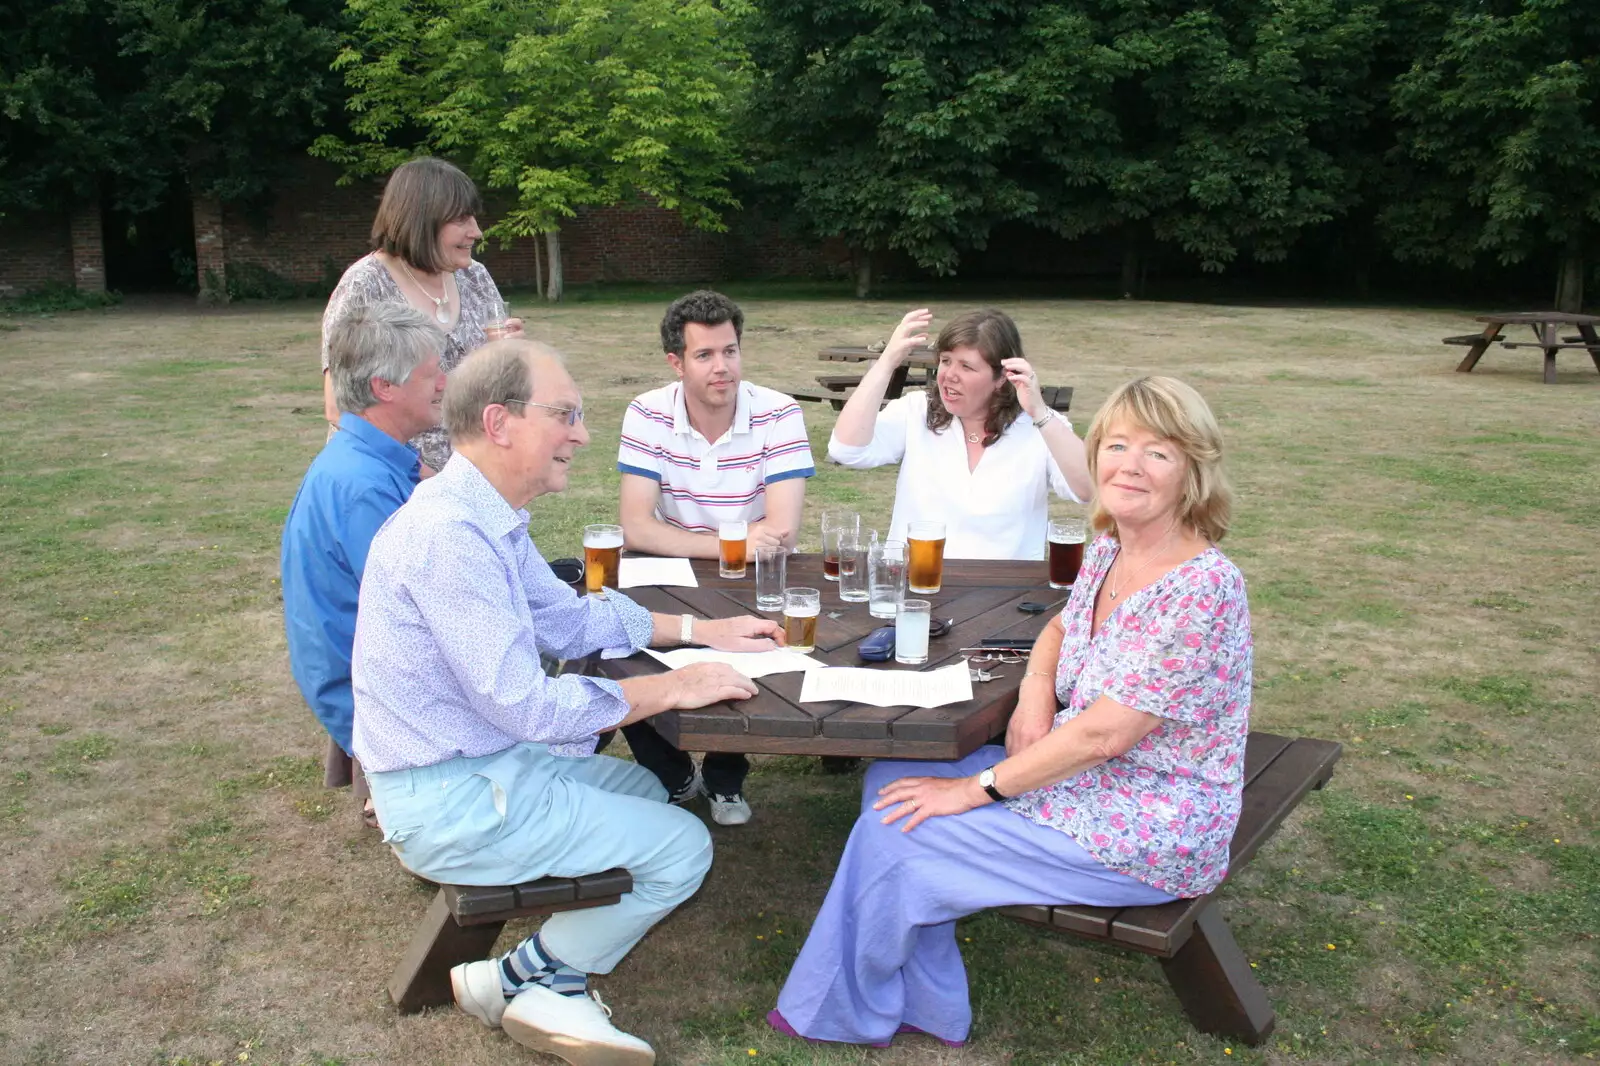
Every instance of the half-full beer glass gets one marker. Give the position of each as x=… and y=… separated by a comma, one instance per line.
x=925, y=567
x=1066, y=551
x=834, y=523
x=733, y=537
x=800, y=609
x=602, y=554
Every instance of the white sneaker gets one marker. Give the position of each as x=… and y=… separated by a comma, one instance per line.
x=730, y=810
x=477, y=990
x=575, y=1028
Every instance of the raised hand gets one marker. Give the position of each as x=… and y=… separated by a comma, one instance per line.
x=741, y=633
x=1025, y=380
x=912, y=332
x=703, y=684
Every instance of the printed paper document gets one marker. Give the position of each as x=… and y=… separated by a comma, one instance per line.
x=888, y=688
x=751, y=664
x=636, y=571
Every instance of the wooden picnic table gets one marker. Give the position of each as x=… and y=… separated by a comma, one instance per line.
x=981, y=596
x=1547, y=327
x=840, y=387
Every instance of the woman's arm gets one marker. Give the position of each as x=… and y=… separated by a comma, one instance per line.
x=1064, y=445
x=860, y=414
x=1036, y=698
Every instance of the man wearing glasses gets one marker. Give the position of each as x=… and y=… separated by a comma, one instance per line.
x=481, y=765
x=708, y=448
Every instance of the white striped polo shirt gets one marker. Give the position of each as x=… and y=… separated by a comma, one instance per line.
x=702, y=483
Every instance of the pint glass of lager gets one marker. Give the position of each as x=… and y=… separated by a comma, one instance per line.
x=800, y=609
x=602, y=551
x=1066, y=552
x=925, y=565
x=733, y=536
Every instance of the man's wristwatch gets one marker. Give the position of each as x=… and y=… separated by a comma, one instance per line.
x=686, y=629
x=986, y=782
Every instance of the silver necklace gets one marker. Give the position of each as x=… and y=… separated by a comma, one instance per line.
x=1111, y=580
x=441, y=305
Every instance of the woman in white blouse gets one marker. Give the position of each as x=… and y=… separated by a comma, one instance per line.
x=979, y=452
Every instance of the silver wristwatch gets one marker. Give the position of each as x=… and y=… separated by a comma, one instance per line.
x=686, y=629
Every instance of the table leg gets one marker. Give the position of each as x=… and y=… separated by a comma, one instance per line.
x=897, y=383
x=1592, y=339
x=1549, y=337
x=1475, y=352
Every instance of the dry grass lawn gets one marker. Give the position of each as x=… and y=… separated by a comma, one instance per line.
x=176, y=887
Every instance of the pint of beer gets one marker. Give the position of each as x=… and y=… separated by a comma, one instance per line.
x=925, y=557
x=1066, y=552
x=801, y=606
x=733, y=537
x=602, y=552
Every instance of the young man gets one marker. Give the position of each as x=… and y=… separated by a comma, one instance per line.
x=706, y=449
x=481, y=764
x=385, y=378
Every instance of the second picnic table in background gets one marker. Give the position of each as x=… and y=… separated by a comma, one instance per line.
x=1546, y=327
x=923, y=360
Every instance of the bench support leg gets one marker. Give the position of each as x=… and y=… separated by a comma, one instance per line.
x=423, y=977
x=1475, y=352
x=1212, y=980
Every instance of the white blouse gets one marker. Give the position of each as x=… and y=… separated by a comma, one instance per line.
x=998, y=510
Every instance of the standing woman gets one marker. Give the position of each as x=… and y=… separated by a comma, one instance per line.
x=422, y=241
x=981, y=452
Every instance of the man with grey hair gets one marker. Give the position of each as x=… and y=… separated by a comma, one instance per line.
x=482, y=766
x=384, y=366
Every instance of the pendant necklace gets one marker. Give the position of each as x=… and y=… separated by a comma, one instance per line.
x=1111, y=580
x=441, y=305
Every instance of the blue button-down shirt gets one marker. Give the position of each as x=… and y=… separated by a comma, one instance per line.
x=456, y=608
x=360, y=478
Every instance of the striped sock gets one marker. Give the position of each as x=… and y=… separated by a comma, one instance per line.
x=531, y=963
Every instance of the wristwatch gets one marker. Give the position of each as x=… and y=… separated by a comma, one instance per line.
x=1038, y=423
x=986, y=782
x=686, y=629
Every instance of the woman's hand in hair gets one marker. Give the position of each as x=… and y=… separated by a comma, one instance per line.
x=1025, y=380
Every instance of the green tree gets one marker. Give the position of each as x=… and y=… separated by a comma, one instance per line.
x=124, y=96
x=567, y=102
x=1499, y=140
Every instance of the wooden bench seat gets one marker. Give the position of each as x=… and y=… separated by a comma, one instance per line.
x=1209, y=974
x=1057, y=397
x=1467, y=340
x=464, y=921
x=1551, y=347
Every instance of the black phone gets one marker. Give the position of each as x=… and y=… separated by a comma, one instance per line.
x=1032, y=607
x=1007, y=643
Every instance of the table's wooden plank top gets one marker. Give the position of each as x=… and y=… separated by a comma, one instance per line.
x=1534, y=318
x=981, y=596
x=924, y=357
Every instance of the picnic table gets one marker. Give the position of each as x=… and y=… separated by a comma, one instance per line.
x=1547, y=327
x=981, y=596
x=838, y=388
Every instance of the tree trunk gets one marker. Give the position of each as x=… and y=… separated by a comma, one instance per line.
x=1569, y=282
x=863, y=274
x=538, y=270
x=1132, y=266
x=552, y=244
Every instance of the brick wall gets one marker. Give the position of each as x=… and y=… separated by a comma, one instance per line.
x=210, y=250
x=35, y=251
x=88, y=253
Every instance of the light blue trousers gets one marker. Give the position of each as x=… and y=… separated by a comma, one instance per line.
x=522, y=814
x=883, y=952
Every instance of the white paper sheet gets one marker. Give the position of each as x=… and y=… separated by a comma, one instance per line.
x=751, y=664
x=636, y=571
x=889, y=688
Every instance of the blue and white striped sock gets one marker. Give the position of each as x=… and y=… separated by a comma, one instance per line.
x=530, y=963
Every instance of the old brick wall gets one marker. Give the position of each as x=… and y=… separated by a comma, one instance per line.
x=35, y=251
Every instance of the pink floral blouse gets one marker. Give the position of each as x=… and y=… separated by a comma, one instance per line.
x=1178, y=649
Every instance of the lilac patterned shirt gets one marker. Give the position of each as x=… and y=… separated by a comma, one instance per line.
x=1179, y=649
x=456, y=606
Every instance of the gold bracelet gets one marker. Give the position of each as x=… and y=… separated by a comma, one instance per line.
x=1036, y=673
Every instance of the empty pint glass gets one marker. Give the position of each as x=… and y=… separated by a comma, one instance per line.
x=834, y=523
x=800, y=609
x=733, y=538
x=602, y=553
x=853, y=567
x=772, y=565
x=925, y=561
x=1066, y=552
x=886, y=578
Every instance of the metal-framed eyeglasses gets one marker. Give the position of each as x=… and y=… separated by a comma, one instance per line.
x=574, y=415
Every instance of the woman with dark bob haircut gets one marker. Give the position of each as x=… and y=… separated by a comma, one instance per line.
x=980, y=452
x=1122, y=775
x=422, y=241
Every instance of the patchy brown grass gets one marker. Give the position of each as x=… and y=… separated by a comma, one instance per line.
x=176, y=886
